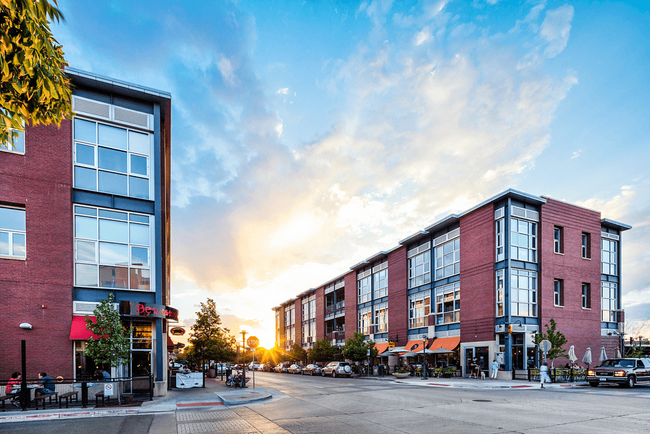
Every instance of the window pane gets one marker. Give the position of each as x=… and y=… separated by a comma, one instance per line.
x=110, y=230
x=140, y=279
x=115, y=215
x=523, y=227
x=84, y=130
x=113, y=277
x=85, y=154
x=138, y=187
x=12, y=219
x=86, y=251
x=19, y=245
x=114, y=254
x=139, y=143
x=86, y=275
x=139, y=218
x=85, y=178
x=85, y=227
x=514, y=239
x=112, y=183
x=139, y=165
x=110, y=159
x=4, y=243
x=85, y=211
x=140, y=256
x=139, y=234
x=112, y=136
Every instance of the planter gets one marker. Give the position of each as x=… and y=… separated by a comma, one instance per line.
x=401, y=375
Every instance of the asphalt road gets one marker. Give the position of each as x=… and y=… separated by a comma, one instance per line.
x=303, y=404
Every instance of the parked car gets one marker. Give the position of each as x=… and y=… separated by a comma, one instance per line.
x=312, y=369
x=625, y=372
x=282, y=367
x=337, y=368
x=294, y=369
x=268, y=367
x=253, y=366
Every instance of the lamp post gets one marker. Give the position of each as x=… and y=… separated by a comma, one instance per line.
x=243, y=377
x=424, y=358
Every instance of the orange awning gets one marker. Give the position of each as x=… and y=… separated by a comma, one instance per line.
x=381, y=347
x=170, y=344
x=78, y=330
x=446, y=343
x=414, y=346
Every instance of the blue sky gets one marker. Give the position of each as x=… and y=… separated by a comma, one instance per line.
x=309, y=135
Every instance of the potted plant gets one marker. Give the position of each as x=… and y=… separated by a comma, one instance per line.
x=401, y=373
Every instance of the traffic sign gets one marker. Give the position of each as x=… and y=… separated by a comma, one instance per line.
x=545, y=346
x=391, y=345
x=252, y=342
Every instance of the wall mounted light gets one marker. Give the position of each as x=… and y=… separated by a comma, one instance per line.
x=26, y=326
x=43, y=306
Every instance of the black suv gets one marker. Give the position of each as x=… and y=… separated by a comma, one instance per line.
x=626, y=372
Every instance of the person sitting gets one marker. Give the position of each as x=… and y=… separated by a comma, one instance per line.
x=49, y=387
x=103, y=374
x=13, y=387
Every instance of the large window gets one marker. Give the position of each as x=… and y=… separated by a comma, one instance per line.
x=609, y=301
x=289, y=326
x=500, y=234
x=365, y=320
x=609, y=256
x=12, y=232
x=365, y=289
x=419, y=309
x=500, y=284
x=380, y=284
x=381, y=318
x=111, y=159
x=448, y=304
x=523, y=293
x=112, y=249
x=523, y=240
x=16, y=145
x=420, y=269
x=448, y=259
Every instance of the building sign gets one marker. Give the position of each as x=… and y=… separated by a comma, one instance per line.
x=147, y=310
x=177, y=331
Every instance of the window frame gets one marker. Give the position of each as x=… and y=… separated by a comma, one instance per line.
x=585, y=297
x=517, y=291
x=439, y=255
x=380, y=315
x=13, y=233
x=364, y=316
x=499, y=228
x=531, y=226
x=413, y=265
x=585, y=247
x=380, y=284
x=611, y=254
x=500, y=293
x=4, y=146
x=558, y=292
x=608, y=315
x=441, y=302
x=364, y=290
x=558, y=240
x=415, y=320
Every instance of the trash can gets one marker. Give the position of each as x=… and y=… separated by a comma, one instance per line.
x=381, y=370
x=228, y=373
x=375, y=370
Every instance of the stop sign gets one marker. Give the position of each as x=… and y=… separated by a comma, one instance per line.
x=252, y=342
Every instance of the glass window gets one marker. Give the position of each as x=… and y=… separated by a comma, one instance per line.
x=139, y=142
x=112, y=136
x=609, y=301
x=16, y=143
x=609, y=256
x=523, y=245
x=85, y=154
x=419, y=309
x=448, y=304
x=85, y=178
x=139, y=165
x=380, y=283
x=112, y=183
x=586, y=245
x=85, y=131
x=381, y=318
x=365, y=320
x=447, y=259
x=523, y=293
x=110, y=159
x=500, y=293
x=586, y=296
x=104, y=256
x=420, y=269
x=365, y=293
x=499, y=232
x=139, y=187
x=558, y=246
x=558, y=292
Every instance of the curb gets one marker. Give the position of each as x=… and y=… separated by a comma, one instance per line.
x=67, y=415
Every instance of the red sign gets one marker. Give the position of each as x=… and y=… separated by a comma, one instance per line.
x=252, y=342
x=129, y=308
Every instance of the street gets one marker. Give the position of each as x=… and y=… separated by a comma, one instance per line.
x=303, y=404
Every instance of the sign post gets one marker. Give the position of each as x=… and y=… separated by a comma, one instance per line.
x=253, y=342
x=545, y=346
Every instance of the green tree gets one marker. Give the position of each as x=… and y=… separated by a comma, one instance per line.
x=112, y=345
x=557, y=340
x=297, y=353
x=322, y=351
x=356, y=348
x=33, y=86
x=209, y=339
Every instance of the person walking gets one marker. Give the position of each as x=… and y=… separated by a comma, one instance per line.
x=495, y=369
x=543, y=374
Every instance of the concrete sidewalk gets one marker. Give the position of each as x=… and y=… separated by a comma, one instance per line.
x=468, y=383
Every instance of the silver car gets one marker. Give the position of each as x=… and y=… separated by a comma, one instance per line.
x=311, y=370
x=337, y=369
x=294, y=369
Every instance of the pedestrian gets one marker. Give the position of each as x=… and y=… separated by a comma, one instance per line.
x=13, y=387
x=49, y=387
x=543, y=374
x=495, y=369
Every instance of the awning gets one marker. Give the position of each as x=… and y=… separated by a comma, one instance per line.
x=78, y=330
x=170, y=344
x=381, y=348
x=446, y=343
x=414, y=346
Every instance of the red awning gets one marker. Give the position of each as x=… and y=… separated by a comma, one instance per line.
x=381, y=348
x=78, y=330
x=170, y=344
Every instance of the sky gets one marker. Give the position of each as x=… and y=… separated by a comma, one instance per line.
x=310, y=135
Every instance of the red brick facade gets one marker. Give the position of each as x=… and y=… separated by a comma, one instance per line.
x=38, y=290
x=398, y=312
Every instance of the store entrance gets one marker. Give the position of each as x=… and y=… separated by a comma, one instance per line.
x=482, y=355
x=518, y=354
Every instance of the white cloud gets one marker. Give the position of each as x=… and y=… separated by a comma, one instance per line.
x=283, y=91
x=555, y=29
x=423, y=36
x=227, y=70
x=576, y=154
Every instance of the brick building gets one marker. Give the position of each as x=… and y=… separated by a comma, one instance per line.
x=84, y=212
x=480, y=284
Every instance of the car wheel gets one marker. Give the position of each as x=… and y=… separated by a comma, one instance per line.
x=630, y=381
x=322, y=374
x=311, y=373
x=333, y=374
x=593, y=384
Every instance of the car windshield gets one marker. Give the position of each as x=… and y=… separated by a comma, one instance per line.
x=618, y=363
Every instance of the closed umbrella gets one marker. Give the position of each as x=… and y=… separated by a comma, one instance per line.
x=572, y=355
x=603, y=354
x=587, y=357
x=618, y=353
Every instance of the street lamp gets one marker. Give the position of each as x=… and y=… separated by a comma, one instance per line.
x=243, y=377
x=424, y=357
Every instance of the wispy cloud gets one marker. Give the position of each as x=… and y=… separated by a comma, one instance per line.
x=576, y=154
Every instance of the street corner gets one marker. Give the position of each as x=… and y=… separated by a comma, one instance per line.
x=244, y=396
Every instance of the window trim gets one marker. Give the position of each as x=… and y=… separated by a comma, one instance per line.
x=558, y=292
x=558, y=240
x=413, y=309
x=11, y=234
x=454, y=289
x=4, y=147
x=455, y=264
x=585, y=247
x=585, y=297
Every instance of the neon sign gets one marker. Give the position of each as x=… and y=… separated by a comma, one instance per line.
x=148, y=310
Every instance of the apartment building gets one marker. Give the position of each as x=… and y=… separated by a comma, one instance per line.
x=480, y=284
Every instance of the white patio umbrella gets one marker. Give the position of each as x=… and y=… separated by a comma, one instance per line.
x=572, y=354
x=603, y=354
x=441, y=351
x=618, y=353
x=587, y=357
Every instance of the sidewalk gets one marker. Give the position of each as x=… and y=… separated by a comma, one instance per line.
x=468, y=383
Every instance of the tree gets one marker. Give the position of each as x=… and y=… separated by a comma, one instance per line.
x=356, y=348
x=33, y=87
x=297, y=353
x=322, y=351
x=111, y=346
x=557, y=340
x=210, y=341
